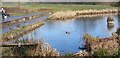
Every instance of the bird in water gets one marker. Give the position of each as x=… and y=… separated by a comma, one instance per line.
x=67, y=32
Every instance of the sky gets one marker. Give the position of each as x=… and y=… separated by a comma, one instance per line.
x=60, y=0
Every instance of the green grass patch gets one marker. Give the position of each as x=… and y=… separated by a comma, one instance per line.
x=62, y=7
x=66, y=7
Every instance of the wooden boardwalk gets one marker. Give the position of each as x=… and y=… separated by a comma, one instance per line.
x=17, y=45
x=21, y=17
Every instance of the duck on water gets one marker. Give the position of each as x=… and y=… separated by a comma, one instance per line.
x=67, y=32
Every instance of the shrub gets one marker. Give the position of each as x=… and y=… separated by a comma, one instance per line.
x=101, y=52
x=69, y=54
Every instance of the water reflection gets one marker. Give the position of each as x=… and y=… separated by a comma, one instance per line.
x=84, y=25
x=54, y=32
x=119, y=19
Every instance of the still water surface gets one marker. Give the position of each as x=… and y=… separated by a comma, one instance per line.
x=54, y=32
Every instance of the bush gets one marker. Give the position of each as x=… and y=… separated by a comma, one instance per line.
x=69, y=54
x=101, y=52
x=117, y=54
x=116, y=4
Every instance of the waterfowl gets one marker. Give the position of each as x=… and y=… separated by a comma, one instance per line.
x=67, y=32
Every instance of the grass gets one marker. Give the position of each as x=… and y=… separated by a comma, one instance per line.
x=61, y=7
x=20, y=14
x=101, y=52
x=69, y=54
x=55, y=7
x=64, y=7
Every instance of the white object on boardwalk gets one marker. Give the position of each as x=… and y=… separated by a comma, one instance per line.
x=19, y=44
x=5, y=17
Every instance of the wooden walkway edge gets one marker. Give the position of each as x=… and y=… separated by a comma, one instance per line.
x=17, y=45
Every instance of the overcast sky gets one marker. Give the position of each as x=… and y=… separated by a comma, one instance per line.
x=60, y=0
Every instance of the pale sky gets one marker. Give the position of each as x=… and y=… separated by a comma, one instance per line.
x=60, y=0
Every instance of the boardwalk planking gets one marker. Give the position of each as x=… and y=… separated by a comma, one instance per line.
x=17, y=45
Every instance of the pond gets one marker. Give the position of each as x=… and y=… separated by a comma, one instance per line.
x=54, y=32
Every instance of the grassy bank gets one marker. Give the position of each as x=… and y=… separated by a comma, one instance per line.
x=37, y=7
x=64, y=7
x=59, y=7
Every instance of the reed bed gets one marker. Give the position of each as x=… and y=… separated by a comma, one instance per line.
x=62, y=15
x=45, y=49
x=101, y=46
x=82, y=53
x=42, y=49
x=95, y=15
x=106, y=46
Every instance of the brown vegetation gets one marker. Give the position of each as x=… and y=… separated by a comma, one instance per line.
x=110, y=44
x=44, y=10
x=62, y=15
x=10, y=10
x=42, y=49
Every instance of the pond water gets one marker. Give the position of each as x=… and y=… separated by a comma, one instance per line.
x=54, y=32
